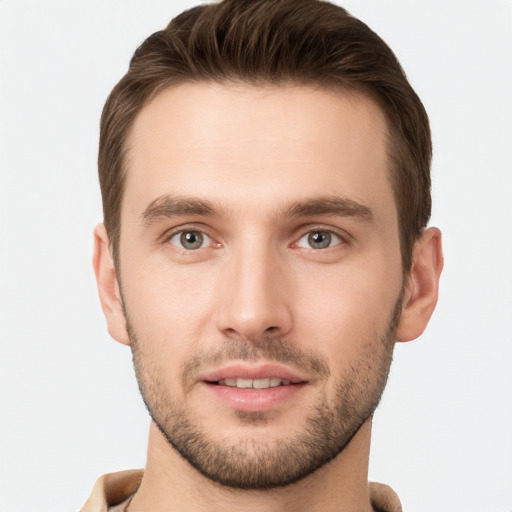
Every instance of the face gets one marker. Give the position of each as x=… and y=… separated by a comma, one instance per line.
x=260, y=274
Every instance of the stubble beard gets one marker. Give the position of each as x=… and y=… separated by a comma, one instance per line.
x=246, y=463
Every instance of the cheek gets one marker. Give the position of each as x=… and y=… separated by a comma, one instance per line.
x=342, y=311
x=169, y=310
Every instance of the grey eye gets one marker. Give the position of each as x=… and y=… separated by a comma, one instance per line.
x=190, y=240
x=319, y=240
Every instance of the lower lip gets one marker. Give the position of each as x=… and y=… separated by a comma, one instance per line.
x=254, y=400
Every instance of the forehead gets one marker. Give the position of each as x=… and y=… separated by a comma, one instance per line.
x=258, y=145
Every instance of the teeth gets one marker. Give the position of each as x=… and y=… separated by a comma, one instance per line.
x=243, y=383
x=261, y=383
x=254, y=383
x=275, y=382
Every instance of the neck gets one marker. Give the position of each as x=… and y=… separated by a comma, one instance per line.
x=171, y=483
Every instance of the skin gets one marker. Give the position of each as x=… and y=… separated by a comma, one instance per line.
x=254, y=153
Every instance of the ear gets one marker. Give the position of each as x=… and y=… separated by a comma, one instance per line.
x=108, y=286
x=422, y=288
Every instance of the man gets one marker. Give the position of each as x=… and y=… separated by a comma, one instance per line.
x=265, y=174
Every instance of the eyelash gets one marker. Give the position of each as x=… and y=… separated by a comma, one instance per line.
x=332, y=236
x=168, y=237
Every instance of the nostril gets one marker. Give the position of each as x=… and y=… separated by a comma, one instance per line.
x=271, y=329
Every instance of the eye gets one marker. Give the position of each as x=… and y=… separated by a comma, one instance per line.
x=190, y=240
x=319, y=239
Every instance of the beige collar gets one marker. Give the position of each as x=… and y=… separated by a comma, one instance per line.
x=115, y=488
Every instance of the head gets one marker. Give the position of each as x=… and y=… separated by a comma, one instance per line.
x=265, y=176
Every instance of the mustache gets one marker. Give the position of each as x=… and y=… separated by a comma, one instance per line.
x=270, y=348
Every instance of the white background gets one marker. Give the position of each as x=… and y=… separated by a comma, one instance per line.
x=69, y=406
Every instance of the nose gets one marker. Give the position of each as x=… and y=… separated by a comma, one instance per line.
x=254, y=298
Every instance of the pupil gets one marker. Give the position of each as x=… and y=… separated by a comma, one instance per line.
x=192, y=240
x=320, y=240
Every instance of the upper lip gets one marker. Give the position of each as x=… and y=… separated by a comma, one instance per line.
x=255, y=371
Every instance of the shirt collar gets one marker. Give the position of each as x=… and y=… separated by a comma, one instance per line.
x=114, y=488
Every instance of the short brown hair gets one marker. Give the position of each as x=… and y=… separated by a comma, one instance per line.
x=278, y=42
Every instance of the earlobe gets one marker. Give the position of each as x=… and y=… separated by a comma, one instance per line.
x=108, y=287
x=421, y=292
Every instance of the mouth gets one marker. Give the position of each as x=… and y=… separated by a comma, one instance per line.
x=271, y=382
x=254, y=388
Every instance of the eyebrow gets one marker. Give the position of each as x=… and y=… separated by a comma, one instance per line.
x=331, y=205
x=169, y=205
